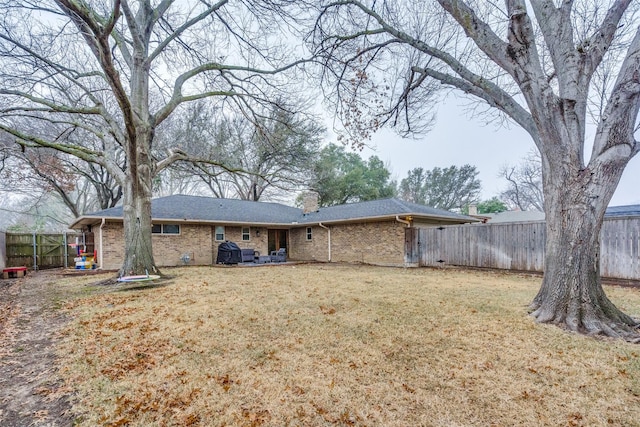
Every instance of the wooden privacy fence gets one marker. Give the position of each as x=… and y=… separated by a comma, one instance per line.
x=518, y=246
x=3, y=250
x=40, y=251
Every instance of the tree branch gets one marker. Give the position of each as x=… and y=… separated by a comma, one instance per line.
x=53, y=107
x=162, y=45
x=33, y=141
x=491, y=93
x=177, y=98
x=595, y=47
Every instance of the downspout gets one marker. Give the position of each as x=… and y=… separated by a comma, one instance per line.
x=100, y=256
x=328, y=238
x=408, y=223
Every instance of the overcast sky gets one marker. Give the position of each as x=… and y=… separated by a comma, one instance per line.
x=458, y=140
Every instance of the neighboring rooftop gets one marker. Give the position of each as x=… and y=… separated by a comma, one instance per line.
x=514, y=216
x=528, y=216
x=627, y=210
x=209, y=209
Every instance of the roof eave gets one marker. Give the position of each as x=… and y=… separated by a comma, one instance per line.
x=90, y=220
x=393, y=217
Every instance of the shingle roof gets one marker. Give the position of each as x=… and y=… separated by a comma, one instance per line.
x=515, y=216
x=526, y=216
x=380, y=208
x=208, y=209
x=198, y=208
x=628, y=210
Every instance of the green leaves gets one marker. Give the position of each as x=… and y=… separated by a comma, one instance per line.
x=341, y=177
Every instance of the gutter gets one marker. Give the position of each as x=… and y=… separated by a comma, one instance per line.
x=408, y=223
x=328, y=238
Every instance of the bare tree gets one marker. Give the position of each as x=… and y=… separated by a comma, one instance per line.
x=118, y=69
x=533, y=63
x=263, y=158
x=524, y=190
x=80, y=186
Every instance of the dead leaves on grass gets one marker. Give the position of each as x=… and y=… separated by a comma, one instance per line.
x=327, y=310
x=225, y=382
x=251, y=354
x=155, y=404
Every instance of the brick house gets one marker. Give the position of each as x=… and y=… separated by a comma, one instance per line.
x=368, y=232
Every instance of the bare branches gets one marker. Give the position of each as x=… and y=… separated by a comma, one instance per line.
x=178, y=31
x=524, y=184
x=595, y=47
x=33, y=141
x=239, y=89
x=615, y=134
x=482, y=34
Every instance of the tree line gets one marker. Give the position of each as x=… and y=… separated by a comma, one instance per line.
x=259, y=167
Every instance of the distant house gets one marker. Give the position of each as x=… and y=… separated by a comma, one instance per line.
x=530, y=216
x=514, y=216
x=369, y=232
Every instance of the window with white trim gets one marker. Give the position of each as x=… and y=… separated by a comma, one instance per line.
x=219, y=233
x=309, y=233
x=165, y=229
x=246, y=234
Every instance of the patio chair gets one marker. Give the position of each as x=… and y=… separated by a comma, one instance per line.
x=279, y=256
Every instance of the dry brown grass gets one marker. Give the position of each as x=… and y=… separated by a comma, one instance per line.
x=319, y=345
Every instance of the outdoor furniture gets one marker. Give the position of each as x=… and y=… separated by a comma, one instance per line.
x=249, y=255
x=279, y=256
x=228, y=253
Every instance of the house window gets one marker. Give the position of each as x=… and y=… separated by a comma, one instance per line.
x=219, y=232
x=165, y=229
x=246, y=234
x=309, y=233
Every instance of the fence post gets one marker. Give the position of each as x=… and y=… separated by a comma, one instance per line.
x=66, y=250
x=35, y=260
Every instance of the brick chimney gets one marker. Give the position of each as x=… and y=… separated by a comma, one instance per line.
x=310, y=202
x=473, y=209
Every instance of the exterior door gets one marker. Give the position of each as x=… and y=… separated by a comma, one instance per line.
x=278, y=239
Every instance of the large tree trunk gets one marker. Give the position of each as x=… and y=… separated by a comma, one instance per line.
x=571, y=294
x=138, y=248
x=141, y=126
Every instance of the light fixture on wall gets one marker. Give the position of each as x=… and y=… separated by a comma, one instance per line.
x=257, y=233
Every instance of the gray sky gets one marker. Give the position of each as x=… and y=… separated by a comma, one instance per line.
x=458, y=140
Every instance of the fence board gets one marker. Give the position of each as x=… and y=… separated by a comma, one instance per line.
x=3, y=250
x=521, y=246
x=40, y=250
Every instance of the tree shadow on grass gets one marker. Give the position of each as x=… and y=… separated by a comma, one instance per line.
x=134, y=285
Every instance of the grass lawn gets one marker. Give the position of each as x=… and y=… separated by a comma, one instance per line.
x=321, y=345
